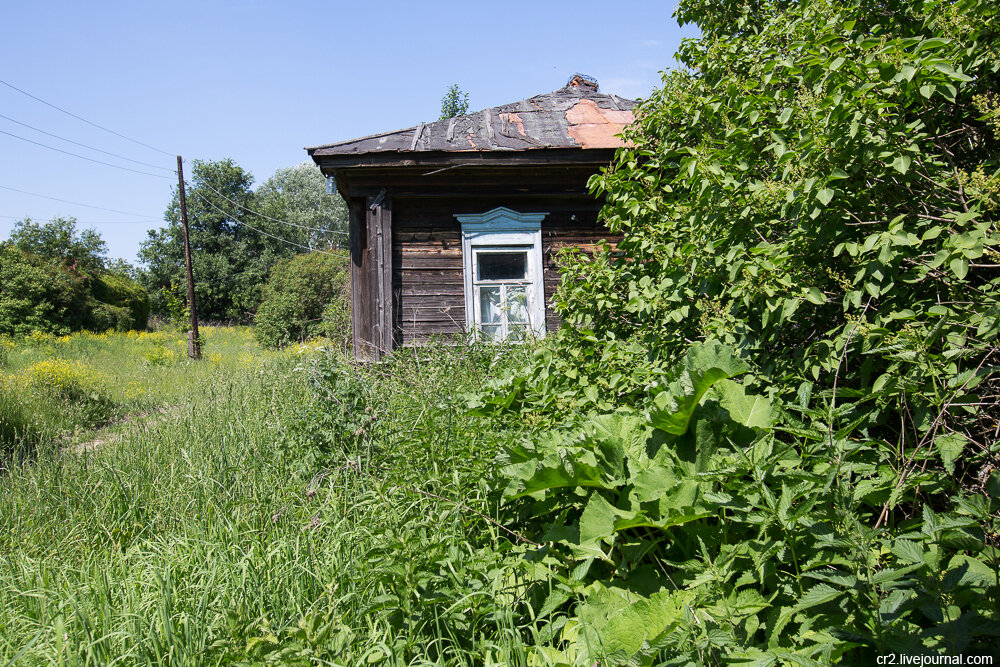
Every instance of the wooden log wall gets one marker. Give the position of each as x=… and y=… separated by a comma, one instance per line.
x=427, y=282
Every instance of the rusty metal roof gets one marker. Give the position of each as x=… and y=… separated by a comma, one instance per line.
x=575, y=116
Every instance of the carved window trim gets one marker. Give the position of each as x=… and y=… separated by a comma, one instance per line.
x=504, y=230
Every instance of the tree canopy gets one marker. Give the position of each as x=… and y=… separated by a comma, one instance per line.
x=298, y=195
x=238, y=234
x=59, y=240
x=56, y=279
x=817, y=169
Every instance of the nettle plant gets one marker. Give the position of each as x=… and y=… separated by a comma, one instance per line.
x=713, y=527
x=818, y=190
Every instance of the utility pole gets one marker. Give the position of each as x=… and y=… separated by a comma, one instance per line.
x=194, y=346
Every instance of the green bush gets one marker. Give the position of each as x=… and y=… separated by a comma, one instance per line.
x=38, y=295
x=816, y=190
x=120, y=291
x=699, y=528
x=104, y=316
x=305, y=296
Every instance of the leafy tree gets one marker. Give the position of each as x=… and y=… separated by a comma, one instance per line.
x=298, y=195
x=50, y=293
x=305, y=296
x=37, y=294
x=230, y=257
x=58, y=240
x=817, y=190
x=237, y=235
x=454, y=103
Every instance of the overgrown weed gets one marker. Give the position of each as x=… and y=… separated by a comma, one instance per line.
x=300, y=509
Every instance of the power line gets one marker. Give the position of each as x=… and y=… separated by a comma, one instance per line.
x=100, y=127
x=77, y=143
x=87, y=222
x=84, y=157
x=266, y=217
x=66, y=201
x=259, y=231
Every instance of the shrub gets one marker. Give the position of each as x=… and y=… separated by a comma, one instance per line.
x=36, y=295
x=120, y=291
x=305, y=296
x=104, y=316
x=817, y=189
x=39, y=294
x=698, y=529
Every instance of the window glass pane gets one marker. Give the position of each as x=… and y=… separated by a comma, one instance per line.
x=517, y=332
x=491, y=331
x=502, y=265
x=517, y=305
x=489, y=304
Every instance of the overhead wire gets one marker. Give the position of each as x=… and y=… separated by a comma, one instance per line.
x=77, y=143
x=84, y=157
x=267, y=217
x=90, y=222
x=67, y=201
x=259, y=231
x=80, y=118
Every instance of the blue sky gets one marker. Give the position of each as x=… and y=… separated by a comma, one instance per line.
x=258, y=81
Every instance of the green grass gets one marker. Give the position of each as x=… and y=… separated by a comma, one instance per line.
x=57, y=389
x=287, y=509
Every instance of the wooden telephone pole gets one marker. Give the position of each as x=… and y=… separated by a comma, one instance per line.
x=194, y=346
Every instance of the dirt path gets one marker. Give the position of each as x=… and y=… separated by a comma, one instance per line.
x=105, y=435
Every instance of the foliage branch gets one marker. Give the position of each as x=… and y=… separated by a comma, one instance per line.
x=817, y=189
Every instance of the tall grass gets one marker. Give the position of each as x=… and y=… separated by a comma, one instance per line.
x=54, y=390
x=293, y=510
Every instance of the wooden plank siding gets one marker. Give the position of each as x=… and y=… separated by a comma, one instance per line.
x=427, y=280
x=379, y=211
x=361, y=287
x=371, y=272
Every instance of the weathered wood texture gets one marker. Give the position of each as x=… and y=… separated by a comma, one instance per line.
x=427, y=280
x=379, y=212
x=360, y=283
x=474, y=180
x=371, y=275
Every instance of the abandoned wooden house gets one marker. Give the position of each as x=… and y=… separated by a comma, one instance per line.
x=455, y=224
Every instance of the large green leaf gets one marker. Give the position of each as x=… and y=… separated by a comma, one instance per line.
x=590, y=455
x=615, y=621
x=949, y=447
x=749, y=411
x=704, y=364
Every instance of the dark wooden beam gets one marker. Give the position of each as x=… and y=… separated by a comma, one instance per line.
x=378, y=212
x=594, y=156
x=360, y=280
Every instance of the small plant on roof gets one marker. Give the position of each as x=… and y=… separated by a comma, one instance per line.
x=454, y=103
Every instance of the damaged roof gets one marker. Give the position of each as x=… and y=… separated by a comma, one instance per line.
x=575, y=116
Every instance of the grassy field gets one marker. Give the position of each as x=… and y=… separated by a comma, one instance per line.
x=252, y=508
x=60, y=388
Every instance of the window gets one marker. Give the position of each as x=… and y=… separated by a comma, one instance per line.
x=501, y=288
x=504, y=295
